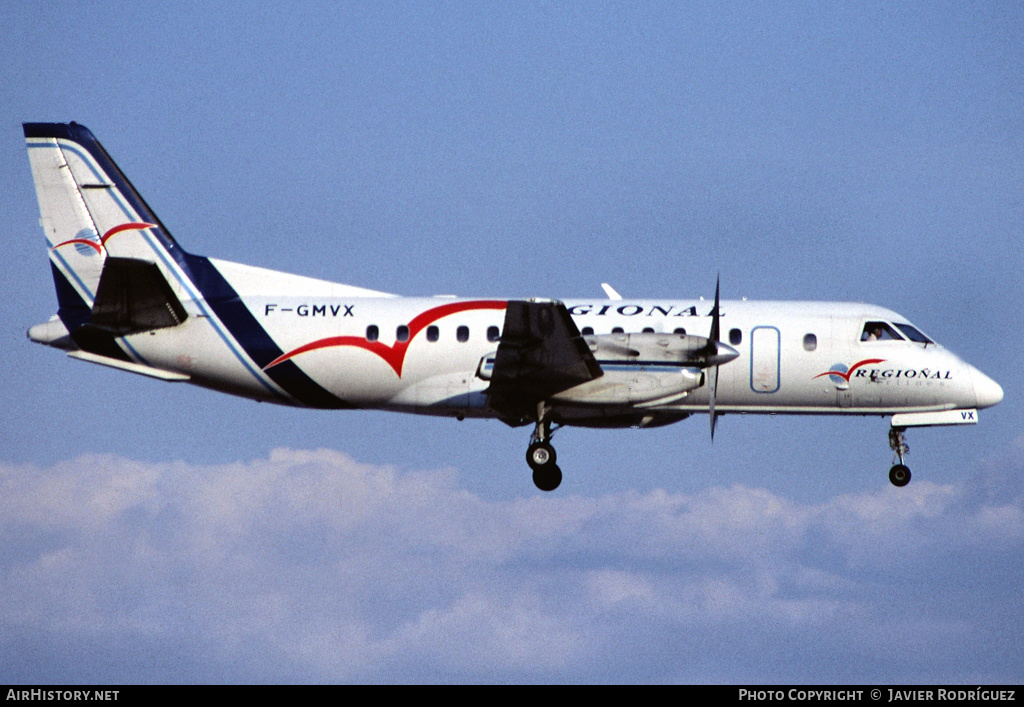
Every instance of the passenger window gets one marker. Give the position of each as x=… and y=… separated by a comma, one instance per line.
x=403, y=333
x=372, y=332
x=588, y=331
x=879, y=331
x=462, y=333
x=432, y=333
x=735, y=337
x=493, y=333
x=810, y=342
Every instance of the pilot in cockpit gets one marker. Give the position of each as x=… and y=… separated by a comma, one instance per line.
x=879, y=331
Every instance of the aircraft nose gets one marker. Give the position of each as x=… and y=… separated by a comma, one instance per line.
x=986, y=390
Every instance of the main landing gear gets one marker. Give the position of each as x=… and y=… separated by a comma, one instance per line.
x=899, y=475
x=541, y=455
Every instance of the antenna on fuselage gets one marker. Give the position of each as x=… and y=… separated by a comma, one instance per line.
x=610, y=291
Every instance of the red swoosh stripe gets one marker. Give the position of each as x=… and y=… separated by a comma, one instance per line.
x=854, y=367
x=393, y=355
x=98, y=247
x=133, y=226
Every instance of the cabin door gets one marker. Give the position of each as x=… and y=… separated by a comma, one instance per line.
x=764, y=359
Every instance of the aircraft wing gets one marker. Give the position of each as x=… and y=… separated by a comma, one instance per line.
x=541, y=353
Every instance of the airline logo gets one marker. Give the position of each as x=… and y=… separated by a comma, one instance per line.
x=87, y=242
x=839, y=373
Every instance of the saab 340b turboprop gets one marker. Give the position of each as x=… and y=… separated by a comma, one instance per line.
x=129, y=297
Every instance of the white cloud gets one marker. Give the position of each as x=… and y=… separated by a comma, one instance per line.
x=308, y=565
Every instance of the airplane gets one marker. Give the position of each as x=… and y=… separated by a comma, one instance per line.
x=131, y=298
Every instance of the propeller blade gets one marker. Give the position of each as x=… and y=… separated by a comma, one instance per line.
x=713, y=350
x=712, y=393
x=713, y=337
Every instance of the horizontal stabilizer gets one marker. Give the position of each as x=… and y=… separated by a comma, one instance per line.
x=129, y=366
x=133, y=296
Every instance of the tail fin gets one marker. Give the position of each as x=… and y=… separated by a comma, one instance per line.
x=106, y=245
x=119, y=273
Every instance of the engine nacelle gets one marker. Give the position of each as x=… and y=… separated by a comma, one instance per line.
x=649, y=346
x=645, y=369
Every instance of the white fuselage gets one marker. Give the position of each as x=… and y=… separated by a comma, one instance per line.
x=350, y=343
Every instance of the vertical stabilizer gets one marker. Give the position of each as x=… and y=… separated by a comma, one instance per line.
x=92, y=217
x=89, y=211
x=119, y=274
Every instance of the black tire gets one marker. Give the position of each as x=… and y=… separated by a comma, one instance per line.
x=540, y=455
x=547, y=479
x=899, y=475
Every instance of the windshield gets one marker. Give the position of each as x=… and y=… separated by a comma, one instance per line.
x=879, y=331
x=913, y=334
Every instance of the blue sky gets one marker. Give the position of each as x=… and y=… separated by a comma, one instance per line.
x=866, y=152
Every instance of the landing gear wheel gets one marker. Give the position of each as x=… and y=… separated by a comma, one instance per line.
x=541, y=455
x=899, y=475
x=547, y=478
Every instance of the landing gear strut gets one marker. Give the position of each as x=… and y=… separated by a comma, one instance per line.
x=541, y=455
x=899, y=474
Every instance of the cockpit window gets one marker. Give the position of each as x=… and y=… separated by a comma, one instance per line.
x=913, y=334
x=879, y=331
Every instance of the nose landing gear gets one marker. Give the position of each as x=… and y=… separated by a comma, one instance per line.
x=540, y=455
x=899, y=474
